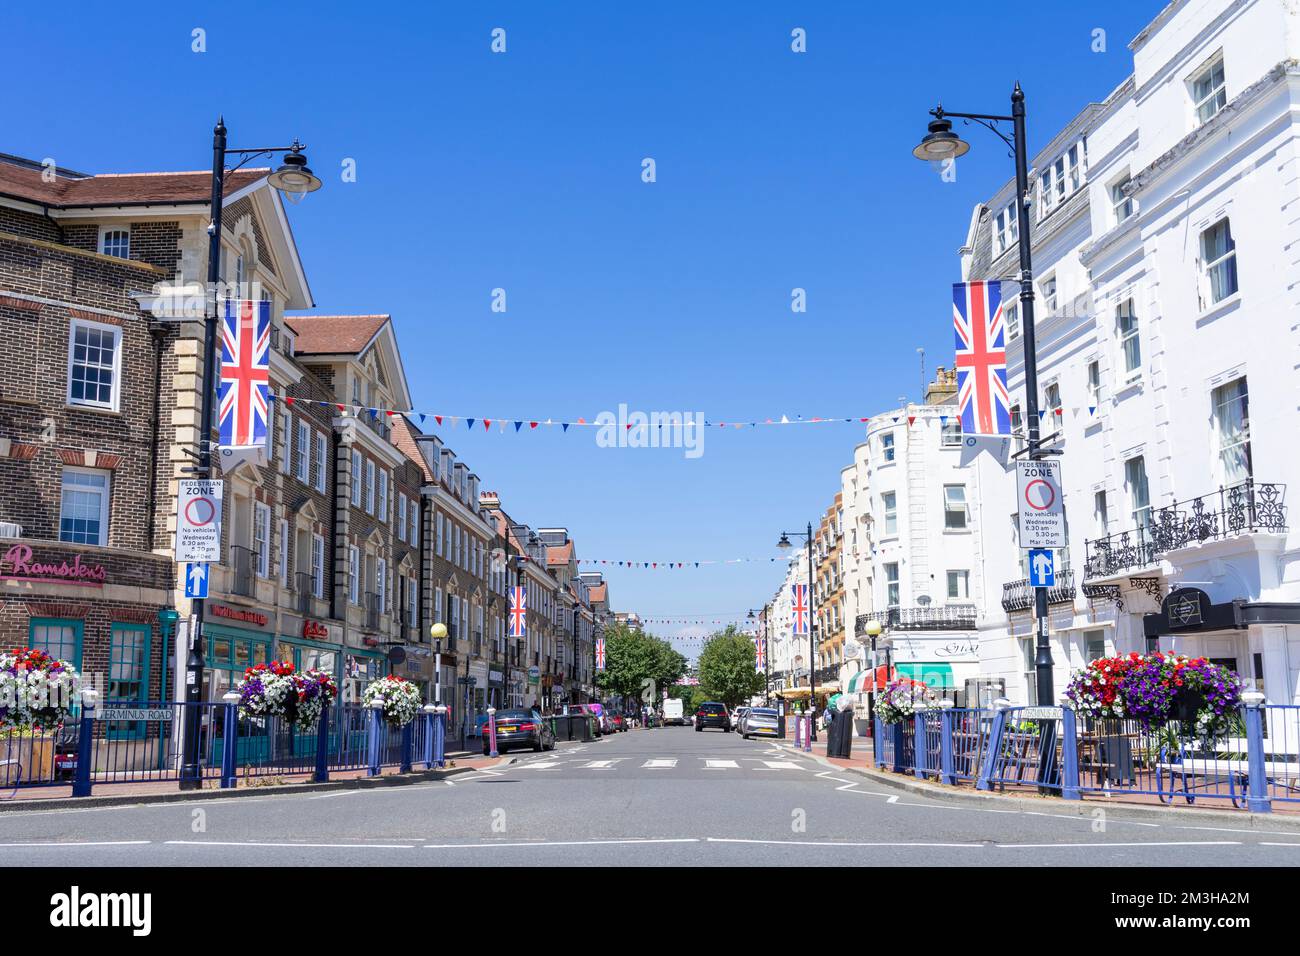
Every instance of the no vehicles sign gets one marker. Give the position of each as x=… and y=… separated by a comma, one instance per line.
x=198, y=521
x=1042, y=512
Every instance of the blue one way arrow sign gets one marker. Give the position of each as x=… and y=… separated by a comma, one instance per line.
x=1042, y=570
x=196, y=580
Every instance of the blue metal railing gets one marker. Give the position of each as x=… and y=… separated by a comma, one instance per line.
x=969, y=741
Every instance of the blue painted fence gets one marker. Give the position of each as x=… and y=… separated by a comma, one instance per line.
x=1251, y=762
x=92, y=749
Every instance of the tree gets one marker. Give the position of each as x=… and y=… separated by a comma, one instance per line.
x=633, y=658
x=727, y=668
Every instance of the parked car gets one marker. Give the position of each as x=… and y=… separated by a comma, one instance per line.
x=761, y=722
x=738, y=719
x=592, y=710
x=618, y=722
x=521, y=728
x=711, y=713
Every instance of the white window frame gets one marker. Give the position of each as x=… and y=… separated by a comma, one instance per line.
x=888, y=450
x=1122, y=207
x=317, y=566
x=1139, y=512
x=951, y=507
x=103, y=244
x=115, y=395
x=950, y=432
x=285, y=437
x=961, y=578
x=1217, y=95
x=354, y=575
x=104, y=501
x=437, y=535
x=1011, y=318
x=400, y=523
x=322, y=461
x=381, y=584
x=413, y=531
x=356, y=479
x=1219, y=401
x=412, y=611
x=892, y=582
x=383, y=496
x=1047, y=288
x=262, y=538
x=370, y=487
x=1130, y=333
x=284, y=553
x=889, y=513
x=1006, y=227
x=1208, y=298
x=302, y=452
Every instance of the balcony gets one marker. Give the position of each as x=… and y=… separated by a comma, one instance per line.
x=242, y=563
x=1019, y=596
x=377, y=425
x=303, y=586
x=371, y=604
x=1248, y=508
x=941, y=617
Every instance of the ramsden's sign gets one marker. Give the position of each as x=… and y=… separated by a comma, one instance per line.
x=18, y=565
x=315, y=629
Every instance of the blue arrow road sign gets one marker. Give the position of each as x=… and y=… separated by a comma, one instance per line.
x=196, y=580
x=1042, y=571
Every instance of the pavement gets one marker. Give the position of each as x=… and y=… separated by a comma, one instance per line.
x=664, y=796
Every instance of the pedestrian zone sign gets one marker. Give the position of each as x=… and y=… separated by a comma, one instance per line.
x=198, y=521
x=1041, y=509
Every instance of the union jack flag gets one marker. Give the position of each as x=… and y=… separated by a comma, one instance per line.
x=518, y=611
x=600, y=653
x=759, y=662
x=245, y=355
x=799, y=608
x=982, y=398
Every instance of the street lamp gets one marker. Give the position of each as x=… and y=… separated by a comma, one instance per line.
x=941, y=143
x=785, y=545
x=438, y=633
x=294, y=179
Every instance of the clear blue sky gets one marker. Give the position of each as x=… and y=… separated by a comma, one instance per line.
x=523, y=171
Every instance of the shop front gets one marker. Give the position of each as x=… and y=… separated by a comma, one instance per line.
x=944, y=661
x=308, y=644
x=234, y=639
x=497, y=688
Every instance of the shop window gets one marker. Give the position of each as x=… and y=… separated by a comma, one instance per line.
x=128, y=675
x=60, y=638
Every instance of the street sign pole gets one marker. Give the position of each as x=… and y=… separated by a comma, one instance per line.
x=1042, y=525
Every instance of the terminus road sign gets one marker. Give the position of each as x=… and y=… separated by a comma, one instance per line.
x=198, y=521
x=135, y=713
x=1042, y=512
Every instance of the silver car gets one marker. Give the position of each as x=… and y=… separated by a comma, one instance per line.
x=761, y=722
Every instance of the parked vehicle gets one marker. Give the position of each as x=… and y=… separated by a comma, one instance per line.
x=618, y=722
x=711, y=713
x=738, y=719
x=593, y=710
x=761, y=722
x=521, y=728
x=673, y=712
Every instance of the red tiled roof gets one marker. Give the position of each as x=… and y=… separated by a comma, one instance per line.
x=117, y=189
x=561, y=554
x=404, y=438
x=333, y=334
x=598, y=592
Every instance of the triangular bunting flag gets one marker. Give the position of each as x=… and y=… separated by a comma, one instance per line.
x=518, y=425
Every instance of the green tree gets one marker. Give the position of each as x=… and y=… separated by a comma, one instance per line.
x=727, y=668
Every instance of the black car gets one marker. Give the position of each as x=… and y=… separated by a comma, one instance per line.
x=520, y=728
x=713, y=714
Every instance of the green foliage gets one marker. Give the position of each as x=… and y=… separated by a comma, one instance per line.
x=633, y=657
x=727, y=668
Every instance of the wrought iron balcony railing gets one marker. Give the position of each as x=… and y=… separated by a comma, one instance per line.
x=942, y=617
x=1019, y=596
x=372, y=610
x=1245, y=508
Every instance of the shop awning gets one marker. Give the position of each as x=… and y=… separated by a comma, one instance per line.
x=861, y=682
x=932, y=674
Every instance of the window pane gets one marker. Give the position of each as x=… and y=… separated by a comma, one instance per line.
x=93, y=357
x=83, y=513
x=1232, y=425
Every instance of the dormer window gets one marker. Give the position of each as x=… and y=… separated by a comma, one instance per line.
x=115, y=242
x=1006, y=228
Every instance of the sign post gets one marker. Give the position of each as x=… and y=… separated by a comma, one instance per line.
x=1041, y=524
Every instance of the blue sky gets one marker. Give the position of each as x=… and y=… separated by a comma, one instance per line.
x=522, y=171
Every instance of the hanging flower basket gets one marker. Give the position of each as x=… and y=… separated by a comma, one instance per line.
x=37, y=691
x=402, y=699
x=277, y=690
x=1157, y=689
x=898, y=702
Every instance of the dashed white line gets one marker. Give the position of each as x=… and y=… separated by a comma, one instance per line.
x=477, y=846
x=297, y=846
x=1062, y=846
x=84, y=843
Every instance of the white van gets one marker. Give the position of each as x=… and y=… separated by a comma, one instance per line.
x=673, y=711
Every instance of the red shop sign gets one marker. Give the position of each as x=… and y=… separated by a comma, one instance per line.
x=314, y=629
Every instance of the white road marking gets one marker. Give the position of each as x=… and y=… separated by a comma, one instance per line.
x=1257, y=832
x=970, y=846
x=782, y=765
x=893, y=799
x=85, y=843
x=1055, y=846
x=477, y=846
x=298, y=846
x=598, y=765
x=660, y=763
x=541, y=765
x=1279, y=844
x=721, y=765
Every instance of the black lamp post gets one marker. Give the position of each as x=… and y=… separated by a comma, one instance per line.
x=941, y=143
x=785, y=545
x=295, y=180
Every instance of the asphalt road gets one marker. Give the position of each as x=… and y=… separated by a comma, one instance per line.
x=668, y=796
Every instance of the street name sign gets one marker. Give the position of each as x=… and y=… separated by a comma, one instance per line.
x=198, y=521
x=135, y=713
x=1041, y=508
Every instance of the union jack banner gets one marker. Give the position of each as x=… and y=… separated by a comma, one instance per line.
x=799, y=608
x=983, y=402
x=759, y=662
x=518, y=611
x=245, y=355
x=600, y=653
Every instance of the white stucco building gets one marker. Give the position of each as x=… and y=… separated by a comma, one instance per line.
x=1164, y=234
